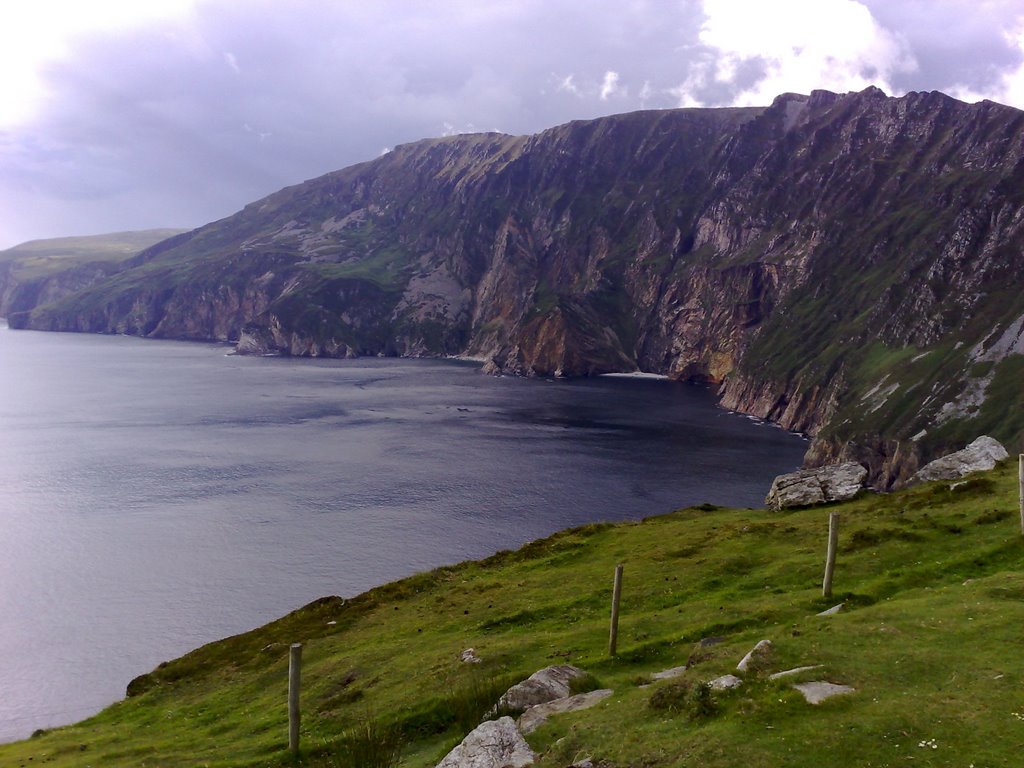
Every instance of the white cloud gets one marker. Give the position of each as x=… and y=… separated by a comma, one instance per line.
x=610, y=85
x=763, y=49
x=568, y=85
x=36, y=34
x=1010, y=87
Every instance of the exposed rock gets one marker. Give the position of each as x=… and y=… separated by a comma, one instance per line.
x=979, y=456
x=469, y=656
x=831, y=611
x=494, y=744
x=819, y=691
x=536, y=716
x=836, y=482
x=542, y=686
x=668, y=674
x=725, y=683
x=794, y=671
x=757, y=656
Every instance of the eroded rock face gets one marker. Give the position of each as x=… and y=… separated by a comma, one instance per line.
x=836, y=482
x=979, y=456
x=494, y=744
x=542, y=686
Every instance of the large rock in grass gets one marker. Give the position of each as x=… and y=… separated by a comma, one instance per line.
x=494, y=744
x=836, y=482
x=979, y=456
x=542, y=686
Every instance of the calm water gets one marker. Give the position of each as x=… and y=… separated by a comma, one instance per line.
x=158, y=495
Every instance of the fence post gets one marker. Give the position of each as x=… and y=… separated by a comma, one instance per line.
x=830, y=559
x=613, y=634
x=294, y=684
x=1020, y=482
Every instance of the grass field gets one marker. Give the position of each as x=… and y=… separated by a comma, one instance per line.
x=39, y=258
x=931, y=639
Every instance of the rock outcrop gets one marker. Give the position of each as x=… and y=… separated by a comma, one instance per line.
x=493, y=744
x=534, y=717
x=979, y=456
x=835, y=482
x=542, y=686
x=847, y=266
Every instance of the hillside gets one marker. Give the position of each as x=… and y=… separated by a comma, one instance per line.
x=41, y=271
x=929, y=637
x=845, y=265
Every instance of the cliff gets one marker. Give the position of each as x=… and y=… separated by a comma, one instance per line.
x=845, y=265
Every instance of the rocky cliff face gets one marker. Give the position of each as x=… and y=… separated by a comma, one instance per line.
x=848, y=266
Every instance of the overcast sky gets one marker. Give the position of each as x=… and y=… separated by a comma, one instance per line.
x=130, y=114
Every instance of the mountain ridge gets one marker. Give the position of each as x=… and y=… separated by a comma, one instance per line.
x=844, y=265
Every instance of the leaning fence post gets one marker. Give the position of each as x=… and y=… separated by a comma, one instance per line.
x=294, y=684
x=613, y=634
x=830, y=559
x=1020, y=482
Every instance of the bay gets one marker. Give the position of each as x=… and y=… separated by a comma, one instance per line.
x=157, y=495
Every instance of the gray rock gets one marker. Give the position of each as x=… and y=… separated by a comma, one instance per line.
x=542, y=686
x=831, y=611
x=725, y=683
x=836, y=482
x=758, y=653
x=979, y=456
x=794, y=671
x=469, y=656
x=668, y=674
x=819, y=691
x=536, y=716
x=494, y=744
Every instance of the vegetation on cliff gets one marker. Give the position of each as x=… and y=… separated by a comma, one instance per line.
x=929, y=638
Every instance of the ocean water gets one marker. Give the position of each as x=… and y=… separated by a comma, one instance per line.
x=158, y=495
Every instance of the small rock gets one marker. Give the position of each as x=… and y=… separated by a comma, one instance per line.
x=831, y=611
x=542, y=686
x=757, y=654
x=586, y=762
x=725, y=683
x=819, y=691
x=536, y=716
x=794, y=671
x=980, y=455
x=668, y=674
x=494, y=744
x=806, y=487
x=469, y=656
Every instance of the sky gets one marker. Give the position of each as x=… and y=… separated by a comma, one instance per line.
x=121, y=114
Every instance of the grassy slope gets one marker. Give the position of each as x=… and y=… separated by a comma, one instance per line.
x=39, y=258
x=931, y=640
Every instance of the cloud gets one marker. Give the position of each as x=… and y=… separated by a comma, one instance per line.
x=568, y=85
x=232, y=62
x=609, y=85
x=751, y=52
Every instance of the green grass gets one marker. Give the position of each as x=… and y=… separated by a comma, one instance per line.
x=39, y=258
x=931, y=639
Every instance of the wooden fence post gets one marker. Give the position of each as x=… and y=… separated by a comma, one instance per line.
x=830, y=559
x=1020, y=482
x=613, y=634
x=294, y=684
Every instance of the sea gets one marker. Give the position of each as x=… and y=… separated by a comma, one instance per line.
x=158, y=495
